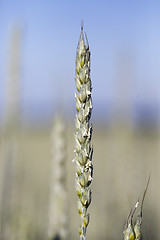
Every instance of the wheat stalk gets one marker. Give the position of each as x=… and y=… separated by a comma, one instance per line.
x=9, y=141
x=12, y=113
x=83, y=132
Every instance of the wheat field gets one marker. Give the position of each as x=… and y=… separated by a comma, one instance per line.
x=125, y=155
x=123, y=159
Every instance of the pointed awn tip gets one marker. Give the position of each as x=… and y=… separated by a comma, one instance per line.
x=82, y=25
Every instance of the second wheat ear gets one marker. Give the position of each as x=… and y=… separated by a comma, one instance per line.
x=134, y=231
x=83, y=132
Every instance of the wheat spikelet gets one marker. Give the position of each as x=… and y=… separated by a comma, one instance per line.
x=83, y=132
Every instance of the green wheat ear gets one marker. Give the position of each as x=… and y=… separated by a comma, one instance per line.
x=83, y=132
x=134, y=231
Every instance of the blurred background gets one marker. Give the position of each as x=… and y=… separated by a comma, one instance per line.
x=38, y=41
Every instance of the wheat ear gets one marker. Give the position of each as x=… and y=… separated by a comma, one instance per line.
x=83, y=132
x=58, y=210
x=134, y=231
x=138, y=224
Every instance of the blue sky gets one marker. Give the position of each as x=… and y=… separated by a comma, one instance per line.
x=124, y=38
